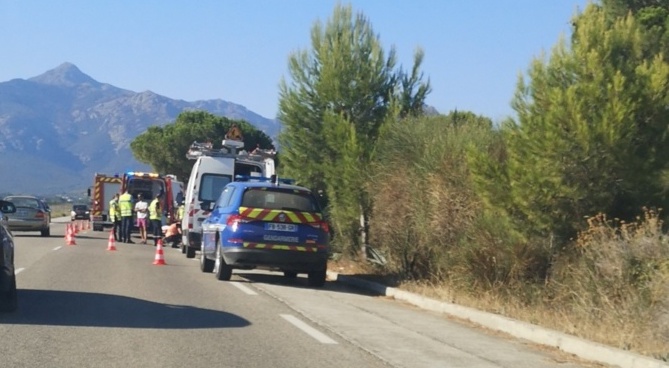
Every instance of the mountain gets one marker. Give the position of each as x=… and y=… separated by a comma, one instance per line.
x=59, y=128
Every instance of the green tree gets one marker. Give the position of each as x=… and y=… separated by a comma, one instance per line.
x=591, y=131
x=164, y=148
x=339, y=96
x=620, y=8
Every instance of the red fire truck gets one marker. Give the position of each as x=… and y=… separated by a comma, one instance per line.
x=104, y=188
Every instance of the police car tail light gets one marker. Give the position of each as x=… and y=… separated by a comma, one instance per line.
x=234, y=221
x=321, y=225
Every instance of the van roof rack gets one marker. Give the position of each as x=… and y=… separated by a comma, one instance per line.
x=230, y=148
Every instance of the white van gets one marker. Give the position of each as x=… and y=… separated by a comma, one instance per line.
x=213, y=169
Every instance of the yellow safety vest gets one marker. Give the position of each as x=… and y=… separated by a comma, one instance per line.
x=154, y=213
x=125, y=204
x=180, y=212
x=114, y=211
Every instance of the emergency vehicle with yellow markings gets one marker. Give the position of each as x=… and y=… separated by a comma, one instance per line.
x=103, y=190
x=266, y=223
x=212, y=170
x=149, y=185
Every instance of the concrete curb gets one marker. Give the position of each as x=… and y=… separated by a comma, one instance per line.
x=582, y=348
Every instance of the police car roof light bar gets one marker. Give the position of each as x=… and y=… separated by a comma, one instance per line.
x=274, y=179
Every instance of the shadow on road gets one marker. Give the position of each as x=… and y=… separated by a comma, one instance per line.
x=68, y=308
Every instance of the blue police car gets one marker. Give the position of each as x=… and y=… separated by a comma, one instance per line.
x=269, y=224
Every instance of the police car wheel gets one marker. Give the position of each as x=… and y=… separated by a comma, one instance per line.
x=223, y=271
x=317, y=278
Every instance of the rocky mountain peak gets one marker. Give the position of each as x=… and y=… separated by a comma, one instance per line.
x=64, y=75
x=65, y=126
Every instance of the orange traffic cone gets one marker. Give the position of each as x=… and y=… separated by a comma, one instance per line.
x=159, y=259
x=111, y=243
x=69, y=236
x=67, y=232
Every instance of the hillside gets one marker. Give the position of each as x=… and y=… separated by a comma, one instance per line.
x=59, y=128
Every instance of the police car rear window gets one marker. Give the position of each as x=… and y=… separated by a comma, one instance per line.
x=273, y=199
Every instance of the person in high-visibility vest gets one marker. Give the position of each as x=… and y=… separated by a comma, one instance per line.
x=155, y=216
x=126, y=206
x=115, y=217
x=180, y=211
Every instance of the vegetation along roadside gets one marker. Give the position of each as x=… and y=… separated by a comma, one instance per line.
x=553, y=216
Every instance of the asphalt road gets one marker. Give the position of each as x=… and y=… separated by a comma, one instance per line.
x=84, y=306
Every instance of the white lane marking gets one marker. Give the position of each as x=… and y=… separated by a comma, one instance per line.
x=58, y=247
x=18, y=270
x=244, y=288
x=322, y=338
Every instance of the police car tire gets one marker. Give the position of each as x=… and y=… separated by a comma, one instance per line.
x=223, y=271
x=9, y=301
x=317, y=278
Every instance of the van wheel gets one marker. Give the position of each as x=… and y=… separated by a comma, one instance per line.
x=223, y=271
x=206, y=265
x=190, y=252
x=9, y=300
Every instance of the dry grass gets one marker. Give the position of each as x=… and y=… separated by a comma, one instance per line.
x=610, y=285
x=60, y=209
x=614, y=291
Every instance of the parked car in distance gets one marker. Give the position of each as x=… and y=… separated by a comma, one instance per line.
x=8, y=294
x=257, y=223
x=32, y=214
x=80, y=212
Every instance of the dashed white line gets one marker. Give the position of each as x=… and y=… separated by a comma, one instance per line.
x=245, y=289
x=319, y=336
x=18, y=270
x=58, y=247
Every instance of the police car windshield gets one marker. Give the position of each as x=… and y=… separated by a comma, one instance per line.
x=276, y=199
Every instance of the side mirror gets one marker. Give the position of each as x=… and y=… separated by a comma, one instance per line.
x=7, y=207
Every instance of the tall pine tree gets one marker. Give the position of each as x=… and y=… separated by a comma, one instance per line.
x=333, y=107
x=591, y=130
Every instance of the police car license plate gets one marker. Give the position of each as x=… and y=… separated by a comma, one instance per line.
x=280, y=227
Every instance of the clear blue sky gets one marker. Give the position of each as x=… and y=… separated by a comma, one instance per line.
x=237, y=50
